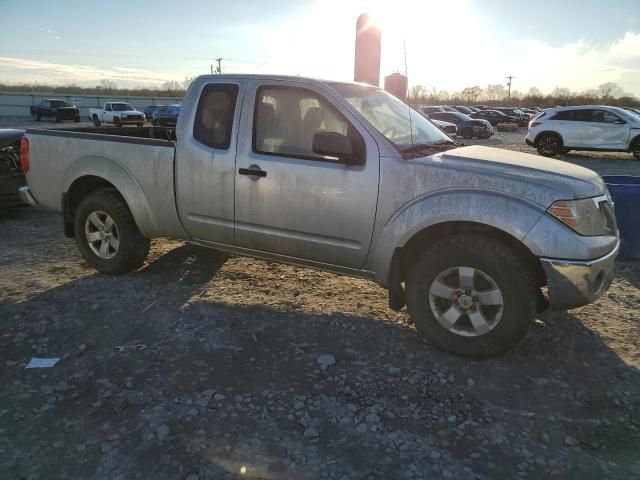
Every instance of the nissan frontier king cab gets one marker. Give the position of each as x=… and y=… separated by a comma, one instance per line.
x=347, y=178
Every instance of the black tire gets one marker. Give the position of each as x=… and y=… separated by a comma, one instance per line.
x=491, y=257
x=56, y=118
x=133, y=247
x=154, y=123
x=116, y=121
x=95, y=120
x=467, y=133
x=77, y=119
x=140, y=124
x=549, y=144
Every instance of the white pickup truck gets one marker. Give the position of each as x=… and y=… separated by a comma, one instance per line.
x=342, y=177
x=118, y=113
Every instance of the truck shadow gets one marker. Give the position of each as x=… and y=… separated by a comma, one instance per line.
x=158, y=330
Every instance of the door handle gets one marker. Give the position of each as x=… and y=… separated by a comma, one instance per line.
x=253, y=171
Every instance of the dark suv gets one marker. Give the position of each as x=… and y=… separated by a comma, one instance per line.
x=467, y=126
x=494, y=117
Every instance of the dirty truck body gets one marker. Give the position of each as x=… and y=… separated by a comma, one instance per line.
x=334, y=176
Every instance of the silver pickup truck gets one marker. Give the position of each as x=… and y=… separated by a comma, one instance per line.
x=346, y=178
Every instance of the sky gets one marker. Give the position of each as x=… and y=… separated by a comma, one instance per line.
x=450, y=45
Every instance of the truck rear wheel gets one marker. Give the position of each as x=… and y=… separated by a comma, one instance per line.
x=471, y=295
x=95, y=120
x=107, y=235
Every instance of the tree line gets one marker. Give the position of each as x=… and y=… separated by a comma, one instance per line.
x=104, y=87
x=609, y=93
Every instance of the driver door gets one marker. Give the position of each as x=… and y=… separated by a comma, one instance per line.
x=290, y=201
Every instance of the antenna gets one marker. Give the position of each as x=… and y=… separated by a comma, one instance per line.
x=406, y=92
x=219, y=69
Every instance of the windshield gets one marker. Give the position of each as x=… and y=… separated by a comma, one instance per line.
x=401, y=125
x=629, y=115
x=121, y=107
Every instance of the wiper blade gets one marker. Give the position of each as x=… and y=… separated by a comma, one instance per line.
x=439, y=146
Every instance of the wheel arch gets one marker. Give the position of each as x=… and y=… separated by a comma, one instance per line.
x=552, y=132
x=100, y=172
x=635, y=140
x=402, y=256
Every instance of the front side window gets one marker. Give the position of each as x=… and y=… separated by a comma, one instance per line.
x=287, y=119
x=214, y=117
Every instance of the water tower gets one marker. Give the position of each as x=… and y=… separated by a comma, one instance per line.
x=368, y=47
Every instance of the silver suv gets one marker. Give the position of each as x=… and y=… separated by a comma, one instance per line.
x=591, y=127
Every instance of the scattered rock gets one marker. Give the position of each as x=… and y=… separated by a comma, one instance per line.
x=570, y=441
x=325, y=361
x=162, y=431
x=311, y=433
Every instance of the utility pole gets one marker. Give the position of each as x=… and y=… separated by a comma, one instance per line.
x=510, y=78
x=219, y=69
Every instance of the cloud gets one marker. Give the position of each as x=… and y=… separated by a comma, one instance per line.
x=580, y=65
x=21, y=70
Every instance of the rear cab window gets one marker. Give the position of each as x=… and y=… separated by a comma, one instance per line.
x=214, y=117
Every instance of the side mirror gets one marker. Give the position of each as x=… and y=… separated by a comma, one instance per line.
x=333, y=144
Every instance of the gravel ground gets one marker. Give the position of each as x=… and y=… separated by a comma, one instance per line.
x=200, y=366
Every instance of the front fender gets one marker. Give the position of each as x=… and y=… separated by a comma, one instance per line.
x=510, y=214
x=117, y=174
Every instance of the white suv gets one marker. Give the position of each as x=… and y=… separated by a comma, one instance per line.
x=591, y=127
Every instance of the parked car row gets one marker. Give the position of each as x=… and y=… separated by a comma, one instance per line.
x=115, y=113
x=494, y=115
x=589, y=127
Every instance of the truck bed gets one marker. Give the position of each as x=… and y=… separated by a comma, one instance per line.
x=139, y=162
x=156, y=133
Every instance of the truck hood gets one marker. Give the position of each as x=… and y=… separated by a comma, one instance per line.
x=568, y=180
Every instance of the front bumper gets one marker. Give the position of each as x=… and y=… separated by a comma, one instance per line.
x=573, y=283
x=26, y=197
x=529, y=142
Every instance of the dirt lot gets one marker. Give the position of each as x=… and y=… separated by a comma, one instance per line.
x=203, y=367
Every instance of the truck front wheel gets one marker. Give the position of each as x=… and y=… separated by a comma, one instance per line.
x=116, y=122
x=107, y=235
x=471, y=295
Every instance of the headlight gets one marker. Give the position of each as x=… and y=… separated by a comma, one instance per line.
x=588, y=216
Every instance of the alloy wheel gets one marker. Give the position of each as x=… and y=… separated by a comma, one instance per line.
x=548, y=145
x=102, y=234
x=466, y=301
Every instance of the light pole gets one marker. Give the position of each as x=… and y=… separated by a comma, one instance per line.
x=510, y=78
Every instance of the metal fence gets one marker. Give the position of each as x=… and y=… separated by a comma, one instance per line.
x=16, y=104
